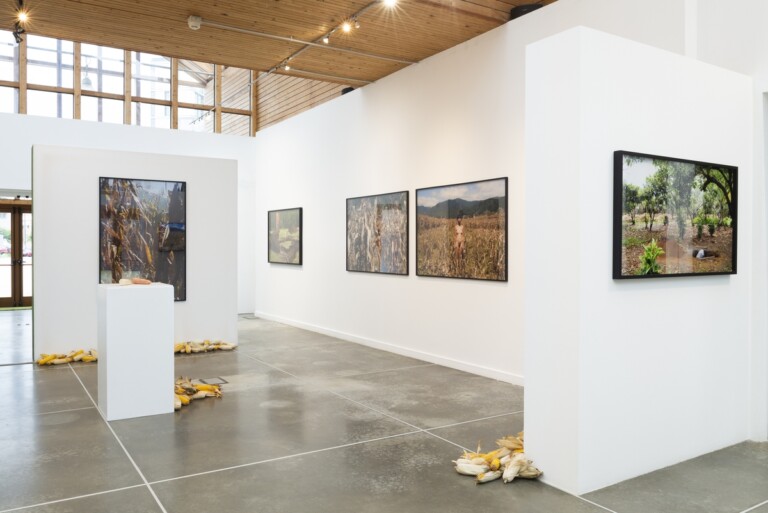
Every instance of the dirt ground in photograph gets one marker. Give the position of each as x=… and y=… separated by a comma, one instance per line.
x=678, y=254
x=484, y=256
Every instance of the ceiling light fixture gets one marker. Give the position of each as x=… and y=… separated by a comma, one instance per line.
x=22, y=17
x=357, y=24
x=327, y=39
x=346, y=27
x=389, y=3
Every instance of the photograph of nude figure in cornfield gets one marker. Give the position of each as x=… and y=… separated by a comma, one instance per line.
x=461, y=230
x=142, y=232
x=377, y=233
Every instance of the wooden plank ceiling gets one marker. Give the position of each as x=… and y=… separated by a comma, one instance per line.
x=411, y=31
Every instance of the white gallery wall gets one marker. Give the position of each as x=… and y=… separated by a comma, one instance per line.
x=651, y=372
x=732, y=35
x=20, y=132
x=66, y=237
x=455, y=117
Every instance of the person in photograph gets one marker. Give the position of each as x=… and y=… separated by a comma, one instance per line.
x=459, y=248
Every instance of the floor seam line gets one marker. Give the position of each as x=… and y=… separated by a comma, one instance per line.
x=281, y=458
x=307, y=382
x=120, y=442
x=755, y=507
x=61, y=411
x=588, y=501
x=72, y=498
x=477, y=420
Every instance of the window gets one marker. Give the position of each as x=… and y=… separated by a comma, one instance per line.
x=102, y=69
x=9, y=100
x=148, y=114
x=9, y=57
x=49, y=61
x=196, y=83
x=54, y=105
x=150, y=76
x=195, y=120
x=101, y=109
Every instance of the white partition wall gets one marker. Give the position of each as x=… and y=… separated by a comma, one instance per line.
x=625, y=377
x=66, y=224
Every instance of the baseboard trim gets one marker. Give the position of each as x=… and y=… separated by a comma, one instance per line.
x=480, y=370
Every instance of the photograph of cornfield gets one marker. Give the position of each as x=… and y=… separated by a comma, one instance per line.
x=142, y=234
x=461, y=230
x=675, y=217
x=377, y=233
x=284, y=242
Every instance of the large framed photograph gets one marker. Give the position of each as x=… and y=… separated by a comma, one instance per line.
x=377, y=233
x=143, y=232
x=673, y=217
x=285, y=236
x=461, y=230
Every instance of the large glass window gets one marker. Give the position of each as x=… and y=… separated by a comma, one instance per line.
x=102, y=69
x=101, y=109
x=148, y=114
x=196, y=83
x=54, y=105
x=9, y=57
x=150, y=76
x=9, y=100
x=194, y=120
x=49, y=61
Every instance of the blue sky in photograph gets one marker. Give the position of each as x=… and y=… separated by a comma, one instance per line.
x=470, y=192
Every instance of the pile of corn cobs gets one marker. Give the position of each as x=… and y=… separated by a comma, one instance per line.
x=186, y=392
x=78, y=355
x=506, y=462
x=203, y=347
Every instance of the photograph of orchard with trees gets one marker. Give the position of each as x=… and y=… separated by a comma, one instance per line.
x=673, y=217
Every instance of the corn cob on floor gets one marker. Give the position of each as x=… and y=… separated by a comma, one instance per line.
x=310, y=423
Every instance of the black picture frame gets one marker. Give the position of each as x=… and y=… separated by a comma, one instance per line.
x=693, y=205
x=478, y=254
x=383, y=249
x=151, y=215
x=287, y=250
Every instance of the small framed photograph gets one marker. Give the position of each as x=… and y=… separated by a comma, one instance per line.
x=285, y=236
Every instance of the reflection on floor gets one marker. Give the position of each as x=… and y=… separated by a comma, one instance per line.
x=310, y=423
x=15, y=336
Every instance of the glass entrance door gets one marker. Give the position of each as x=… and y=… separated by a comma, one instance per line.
x=15, y=254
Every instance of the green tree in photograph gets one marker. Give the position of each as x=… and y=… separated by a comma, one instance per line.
x=654, y=194
x=714, y=178
x=631, y=200
x=681, y=177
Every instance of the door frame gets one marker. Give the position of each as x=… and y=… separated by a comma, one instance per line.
x=16, y=208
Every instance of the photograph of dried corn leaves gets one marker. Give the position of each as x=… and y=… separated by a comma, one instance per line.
x=461, y=230
x=142, y=232
x=284, y=243
x=377, y=233
x=673, y=217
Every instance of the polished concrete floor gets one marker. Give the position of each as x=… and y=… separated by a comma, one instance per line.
x=310, y=423
x=15, y=336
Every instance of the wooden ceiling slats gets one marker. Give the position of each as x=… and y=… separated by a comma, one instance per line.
x=413, y=30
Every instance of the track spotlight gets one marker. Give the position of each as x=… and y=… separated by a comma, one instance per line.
x=18, y=30
x=346, y=27
x=389, y=3
x=326, y=39
x=22, y=16
x=357, y=24
x=287, y=67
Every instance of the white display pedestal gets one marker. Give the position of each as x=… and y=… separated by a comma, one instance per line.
x=135, y=343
